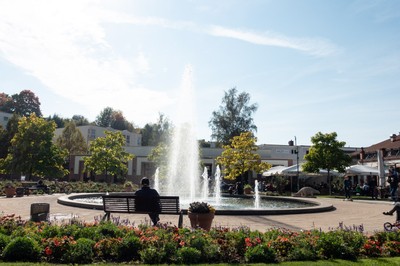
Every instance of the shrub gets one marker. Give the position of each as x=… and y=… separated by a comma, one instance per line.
x=340, y=244
x=170, y=249
x=391, y=248
x=282, y=245
x=107, y=248
x=372, y=248
x=9, y=223
x=4, y=240
x=304, y=247
x=189, y=255
x=81, y=252
x=260, y=254
x=22, y=249
x=129, y=248
x=50, y=231
x=57, y=248
x=152, y=255
x=108, y=229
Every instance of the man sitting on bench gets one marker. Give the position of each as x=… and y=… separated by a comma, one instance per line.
x=147, y=198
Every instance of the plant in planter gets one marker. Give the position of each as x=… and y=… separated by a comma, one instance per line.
x=9, y=189
x=128, y=186
x=247, y=189
x=201, y=215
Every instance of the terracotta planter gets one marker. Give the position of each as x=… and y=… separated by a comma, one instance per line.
x=10, y=192
x=201, y=220
x=247, y=190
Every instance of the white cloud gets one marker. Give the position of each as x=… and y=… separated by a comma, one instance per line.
x=63, y=45
x=142, y=64
x=316, y=47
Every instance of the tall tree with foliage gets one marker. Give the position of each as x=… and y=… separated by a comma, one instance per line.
x=108, y=156
x=60, y=122
x=240, y=156
x=72, y=140
x=326, y=152
x=6, y=103
x=114, y=119
x=233, y=117
x=8, y=134
x=24, y=103
x=80, y=120
x=159, y=156
x=154, y=134
x=104, y=119
x=32, y=151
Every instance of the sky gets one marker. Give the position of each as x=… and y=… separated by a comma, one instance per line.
x=310, y=65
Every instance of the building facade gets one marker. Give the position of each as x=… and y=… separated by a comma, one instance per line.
x=4, y=118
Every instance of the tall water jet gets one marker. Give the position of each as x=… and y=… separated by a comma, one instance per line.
x=157, y=179
x=205, y=183
x=183, y=173
x=217, y=188
x=257, y=196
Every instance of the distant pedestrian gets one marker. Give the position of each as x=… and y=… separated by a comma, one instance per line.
x=373, y=187
x=347, y=188
x=394, y=182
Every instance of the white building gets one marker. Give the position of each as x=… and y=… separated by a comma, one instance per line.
x=4, y=118
x=91, y=132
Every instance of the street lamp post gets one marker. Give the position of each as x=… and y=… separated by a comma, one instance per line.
x=297, y=163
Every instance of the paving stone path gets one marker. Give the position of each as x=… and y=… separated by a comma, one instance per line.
x=351, y=213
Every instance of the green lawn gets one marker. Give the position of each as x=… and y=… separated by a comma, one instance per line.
x=368, y=262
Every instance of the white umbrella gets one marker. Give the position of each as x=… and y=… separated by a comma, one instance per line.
x=381, y=168
x=359, y=169
x=276, y=170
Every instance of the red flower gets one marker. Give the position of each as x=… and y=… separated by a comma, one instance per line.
x=48, y=251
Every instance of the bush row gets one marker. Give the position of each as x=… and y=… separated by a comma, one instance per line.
x=77, y=187
x=79, y=242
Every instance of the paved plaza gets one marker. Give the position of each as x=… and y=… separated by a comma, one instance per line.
x=358, y=212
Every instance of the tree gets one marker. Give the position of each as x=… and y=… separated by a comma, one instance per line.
x=8, y=134
x=6, y=103
x=26, y=103
x=32, y=151
x=60, y=122
x=159, y=156
x=107, y=155
x=72, y=140
x=80, y=120
x=114, y=119
x=326, y=153
x=104, y=119
x=154, y=134
x=240, y=156
x=233, y=118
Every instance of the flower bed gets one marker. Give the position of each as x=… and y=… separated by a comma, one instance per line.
x=79, y=242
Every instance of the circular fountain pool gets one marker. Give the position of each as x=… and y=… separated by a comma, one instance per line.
x=227, y=205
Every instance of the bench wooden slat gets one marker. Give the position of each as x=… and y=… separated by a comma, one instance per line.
x=122, y=203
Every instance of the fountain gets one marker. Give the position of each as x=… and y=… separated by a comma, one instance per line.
x=205, y=183
x=183, y=166
x=183, y=175
x=156, y=179
x=217, y=177
x=257, y=196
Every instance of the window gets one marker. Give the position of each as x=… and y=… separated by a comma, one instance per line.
x=91, y=133
x=128, y=139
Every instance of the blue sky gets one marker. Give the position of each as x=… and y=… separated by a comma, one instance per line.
x=310, y=65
